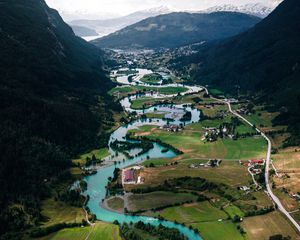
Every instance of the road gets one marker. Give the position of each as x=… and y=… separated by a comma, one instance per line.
x=268, y=161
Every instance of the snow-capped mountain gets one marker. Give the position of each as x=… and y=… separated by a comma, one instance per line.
x=256, y=9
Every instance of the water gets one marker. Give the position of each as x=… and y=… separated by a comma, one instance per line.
x=96, y=184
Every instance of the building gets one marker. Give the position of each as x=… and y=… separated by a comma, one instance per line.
x=129, y=175
x=257, y=161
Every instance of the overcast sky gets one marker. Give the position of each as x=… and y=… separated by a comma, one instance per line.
x=123, y=7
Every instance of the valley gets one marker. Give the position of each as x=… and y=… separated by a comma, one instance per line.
x=179, y=189
x=177, y=125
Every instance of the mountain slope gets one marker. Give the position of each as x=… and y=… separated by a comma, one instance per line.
x=83, y=31
x=176, y=29
x=53, y=105
x=264, y=59
x=107, y=26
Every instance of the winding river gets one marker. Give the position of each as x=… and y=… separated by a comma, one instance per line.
x=96, y=184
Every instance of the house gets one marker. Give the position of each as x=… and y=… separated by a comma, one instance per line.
x=244, y=188
x=257, y=161
x=129, y=175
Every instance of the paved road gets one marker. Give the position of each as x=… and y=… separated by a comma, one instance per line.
x=268, y=160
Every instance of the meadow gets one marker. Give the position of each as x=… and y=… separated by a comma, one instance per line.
x=148, y=201
x=100, y=230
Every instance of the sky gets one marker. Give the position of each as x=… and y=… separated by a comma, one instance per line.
x=105, y=8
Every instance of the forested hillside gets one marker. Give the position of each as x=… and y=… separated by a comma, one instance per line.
x=53, y=105
x=264, y=60
x=177, y=29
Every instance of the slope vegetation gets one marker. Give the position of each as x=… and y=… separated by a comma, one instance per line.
x=177, y=29
x=52, y=105
x=263, y=60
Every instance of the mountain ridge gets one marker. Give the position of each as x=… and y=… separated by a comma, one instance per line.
x=176, y=29
x=53, y=106
x=263, y=59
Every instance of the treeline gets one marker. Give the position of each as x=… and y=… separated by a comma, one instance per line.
x=53, y=106
x=133, y=232
x=41, y=232
x=157, y=140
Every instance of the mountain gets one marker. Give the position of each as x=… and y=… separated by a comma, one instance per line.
x=53, y=105
x=255, y=9
x=83, y=31
x=265, y=60
x=106, y=26
x=176, y=29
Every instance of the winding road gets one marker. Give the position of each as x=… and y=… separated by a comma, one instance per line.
x=275, y=199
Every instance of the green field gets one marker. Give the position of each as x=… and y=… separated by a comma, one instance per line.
x=206, y=218
x=103, y=231
x=155, y=115
x=233, y=211
x=225, y=230
x=116, y=203
x=132, y=89
x=190, y=142
x=262, y=227
x=153, y=78
x=99, y=154
x=215, y=92
x=158, y=199
x=230, y=173
x=143, y=102
x=60, y=212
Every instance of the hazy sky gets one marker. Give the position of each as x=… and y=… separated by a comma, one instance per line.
x=123, y=7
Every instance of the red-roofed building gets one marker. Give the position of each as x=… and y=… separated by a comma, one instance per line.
x=129, y=175
x=257, y=161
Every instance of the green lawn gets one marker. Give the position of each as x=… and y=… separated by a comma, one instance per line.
x=206, y=218
x=131, y=89
x=153, y=78
x=215, y=91
x=157, y=162
x=157, y=199
x=140, y=102
x=190, y=141
x=225, y=230
x=244, y=128
x=191, y=213
x=155, y=115
x=262, y=227
x=232, y=211
x=116, y=203
x=99, y=154
x=103, y=231
x=59, y=212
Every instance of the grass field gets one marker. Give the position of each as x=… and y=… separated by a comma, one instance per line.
x=59, y=212
x=103, y=231
x=144, y=102
x=261, y=201
x=155, y=115
x=206, y=218
x=116, y=203
x=99, y=154
x=230, y=172
x=190, y=142
x=233, y=211
x=225, y=230
x=123, y=91
x=153, y=78
x=157, y=199
x=262, y=227
x=215, y=92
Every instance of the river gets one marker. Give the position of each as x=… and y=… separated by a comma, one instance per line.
x=96, y=184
